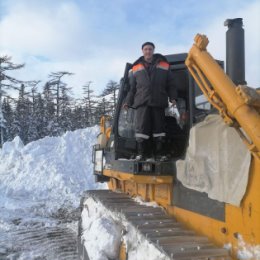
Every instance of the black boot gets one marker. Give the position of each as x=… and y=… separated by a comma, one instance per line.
x=141, y=146
x=149, y=154
x=160, y=149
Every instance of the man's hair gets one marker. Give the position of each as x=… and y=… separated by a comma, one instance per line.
x=148, y=43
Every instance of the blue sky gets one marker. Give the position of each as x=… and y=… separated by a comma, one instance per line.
x=94, y=39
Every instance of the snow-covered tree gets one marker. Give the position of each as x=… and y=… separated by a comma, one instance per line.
x=8, y=115
x=33, y=133
x=78, y=117
x=111, y=91
x=7, y=82
x=103, y=108
x=49, y=110
x=65, y=111
x=89, y=104
x=22, y=115
x=39, y=116
x=59, y=88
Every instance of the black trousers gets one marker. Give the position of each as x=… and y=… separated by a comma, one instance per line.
x=150, y=121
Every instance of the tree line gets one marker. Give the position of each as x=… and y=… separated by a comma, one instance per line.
x=49, y=108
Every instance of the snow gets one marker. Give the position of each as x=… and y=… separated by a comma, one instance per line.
x=228, y=246
x=246, y=251
x=42, y=182
x=41, y=185
x=99, y=227
x=110, y=229
x=53, y=169
x=140, y=200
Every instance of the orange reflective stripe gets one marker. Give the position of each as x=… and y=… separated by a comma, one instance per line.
x=163, y=65
x=138, y=67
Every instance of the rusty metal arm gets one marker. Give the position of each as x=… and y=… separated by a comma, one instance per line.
x=238, y=106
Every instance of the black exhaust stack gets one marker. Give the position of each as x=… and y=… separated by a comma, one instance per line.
x=235, y=50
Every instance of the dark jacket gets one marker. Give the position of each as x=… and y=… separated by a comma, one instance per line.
x=151, y=87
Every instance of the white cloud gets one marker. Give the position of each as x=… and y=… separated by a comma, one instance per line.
x=216, y=33
x=61, y=37
x=95, y=43
x=35, y=30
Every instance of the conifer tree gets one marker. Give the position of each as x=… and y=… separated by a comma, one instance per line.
x=89, y=104
x=111, y=92
x=33, y=121
x=6, y=83
x=65, y=111
x=49, y=110
x=8, y=114
x=22, y=115
x=58, y=87
x=39, y=112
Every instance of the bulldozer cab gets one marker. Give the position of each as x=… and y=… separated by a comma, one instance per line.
x=120, y=148
x=192, y=107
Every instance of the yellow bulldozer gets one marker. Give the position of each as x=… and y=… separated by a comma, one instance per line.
x=208, y=193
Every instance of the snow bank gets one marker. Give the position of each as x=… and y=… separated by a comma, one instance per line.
x=104, y=230
x=49, y=173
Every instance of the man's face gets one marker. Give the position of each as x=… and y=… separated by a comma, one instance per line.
x=148, y=51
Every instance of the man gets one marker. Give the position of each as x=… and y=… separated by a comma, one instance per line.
x=151, y=83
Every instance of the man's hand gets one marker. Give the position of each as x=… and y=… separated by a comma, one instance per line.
x=125, y=106
x=174, y=102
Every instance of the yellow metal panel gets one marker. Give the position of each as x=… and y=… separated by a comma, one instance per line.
x=138, y=178
x=203, y=225
x=221, y=92
x=243, y=220
x=150, y=188
x=162, y=194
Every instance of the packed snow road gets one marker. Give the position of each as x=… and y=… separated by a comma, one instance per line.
x=38, y=241
x=40, y=188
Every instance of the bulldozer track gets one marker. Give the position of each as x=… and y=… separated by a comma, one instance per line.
x=163, y=231
x=43, y=243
